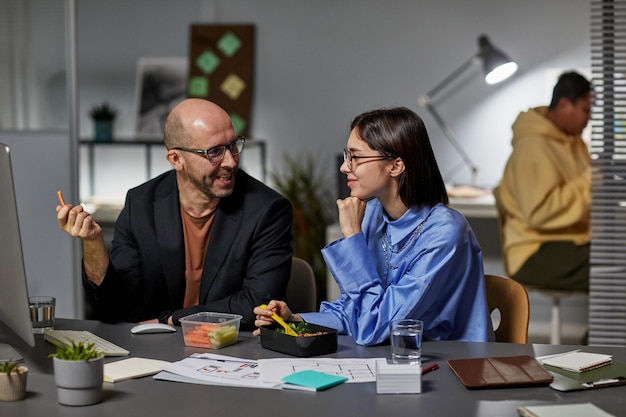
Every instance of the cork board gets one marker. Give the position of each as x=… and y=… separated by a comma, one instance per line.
x=221, y=65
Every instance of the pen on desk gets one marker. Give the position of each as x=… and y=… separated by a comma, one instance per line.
x=429, y=368
x=620, y=380
x=251, y=362
x=60, y=198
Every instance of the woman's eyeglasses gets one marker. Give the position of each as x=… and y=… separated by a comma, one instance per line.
x=348, y=157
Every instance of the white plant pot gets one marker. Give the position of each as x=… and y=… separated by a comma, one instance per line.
x=79, y=382
x=13, y=385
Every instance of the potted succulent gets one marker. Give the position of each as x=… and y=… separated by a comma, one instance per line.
x=103, y=116
x=78, y=373
x=12, y=381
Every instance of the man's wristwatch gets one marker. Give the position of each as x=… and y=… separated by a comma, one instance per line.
x=164, y=316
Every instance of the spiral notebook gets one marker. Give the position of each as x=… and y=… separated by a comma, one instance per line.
x=578, y=361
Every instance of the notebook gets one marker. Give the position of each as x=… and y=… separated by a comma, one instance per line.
x=500, y=372
x=132, y=368
x=578, y=361
x=560, y=410
x=607, y=376
x=312, y=380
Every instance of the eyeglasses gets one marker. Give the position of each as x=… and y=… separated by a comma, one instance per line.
x=216, y=153
x=348, y=157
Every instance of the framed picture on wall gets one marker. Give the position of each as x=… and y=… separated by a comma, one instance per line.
x=161, y=84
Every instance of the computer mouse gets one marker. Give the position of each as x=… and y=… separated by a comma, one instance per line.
x=152, y=328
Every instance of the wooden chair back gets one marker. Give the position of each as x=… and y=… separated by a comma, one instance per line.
x=510, y=298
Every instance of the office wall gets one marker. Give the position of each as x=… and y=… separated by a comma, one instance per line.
x=317, y=64
x=320, y=63
x=40, y=162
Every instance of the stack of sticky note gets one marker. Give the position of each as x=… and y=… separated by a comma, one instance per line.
x=392, y=378
x=310, y=380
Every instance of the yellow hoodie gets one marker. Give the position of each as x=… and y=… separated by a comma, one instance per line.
x=545, y=192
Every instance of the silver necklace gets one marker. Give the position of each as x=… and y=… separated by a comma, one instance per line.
x=388, y=248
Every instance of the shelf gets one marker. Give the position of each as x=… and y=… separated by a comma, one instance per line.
x=148, y=144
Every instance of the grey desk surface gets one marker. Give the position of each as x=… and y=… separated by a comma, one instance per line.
x=443, y=394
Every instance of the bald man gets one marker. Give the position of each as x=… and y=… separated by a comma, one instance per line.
x=204, y=236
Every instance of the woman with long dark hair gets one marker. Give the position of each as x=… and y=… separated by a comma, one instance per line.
x=404, y=252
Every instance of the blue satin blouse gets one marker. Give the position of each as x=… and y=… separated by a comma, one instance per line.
x=426, y=265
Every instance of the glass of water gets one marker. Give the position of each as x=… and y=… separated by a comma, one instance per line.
x=406, y=341
x=42, y=313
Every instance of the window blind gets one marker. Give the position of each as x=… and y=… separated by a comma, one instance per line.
x=607, y=291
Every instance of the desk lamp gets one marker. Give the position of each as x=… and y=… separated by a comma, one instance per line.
x=497, y=67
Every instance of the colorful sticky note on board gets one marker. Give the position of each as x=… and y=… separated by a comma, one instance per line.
x=312, y=380
x=229, y=44
x=239, y=124
x=233, y=86
x=198, y=87
x=208, y=62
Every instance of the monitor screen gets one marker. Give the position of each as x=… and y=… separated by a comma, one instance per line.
x=14, y=310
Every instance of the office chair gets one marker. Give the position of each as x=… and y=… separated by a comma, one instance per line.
x=301, y=291
x=510, y=298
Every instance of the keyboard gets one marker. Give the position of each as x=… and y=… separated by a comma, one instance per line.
x=65, y=337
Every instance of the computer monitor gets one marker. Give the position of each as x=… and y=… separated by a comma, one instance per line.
x=14, y=309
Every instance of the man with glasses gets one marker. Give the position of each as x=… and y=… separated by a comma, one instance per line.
x=204, y=236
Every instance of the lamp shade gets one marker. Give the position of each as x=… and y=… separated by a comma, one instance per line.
x=496, y=65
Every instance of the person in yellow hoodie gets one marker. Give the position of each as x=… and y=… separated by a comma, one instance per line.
x=544, y=197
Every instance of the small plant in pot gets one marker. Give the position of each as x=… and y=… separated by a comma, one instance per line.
x=103, y=116
x=78, y=373
x=12, y=381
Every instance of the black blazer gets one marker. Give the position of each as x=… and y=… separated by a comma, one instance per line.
x=248, y=259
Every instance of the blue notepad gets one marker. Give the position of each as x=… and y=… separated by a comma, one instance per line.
x=312, y=380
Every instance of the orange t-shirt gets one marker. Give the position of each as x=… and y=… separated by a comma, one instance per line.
x=196, y=232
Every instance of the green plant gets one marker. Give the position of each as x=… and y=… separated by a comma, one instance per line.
x=307, y=190
x=7, y=367
x=103, y=111
x=80, y=351
x=300, y=327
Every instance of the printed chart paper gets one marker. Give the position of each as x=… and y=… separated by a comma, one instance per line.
x=218, y=370
x=212, y=369
x=356, y=370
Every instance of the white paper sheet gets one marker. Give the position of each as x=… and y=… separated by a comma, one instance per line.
x=355, y=369
x=218, y=370
x=212, y=369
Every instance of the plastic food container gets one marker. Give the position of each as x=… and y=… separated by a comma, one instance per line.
x=301, y=345
x=210, y=330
